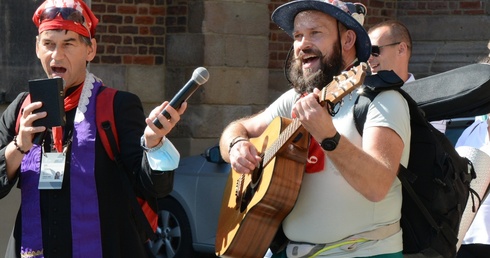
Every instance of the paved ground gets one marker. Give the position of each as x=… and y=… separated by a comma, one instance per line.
x=10, y=206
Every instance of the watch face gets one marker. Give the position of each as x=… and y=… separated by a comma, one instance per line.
x=329, y=144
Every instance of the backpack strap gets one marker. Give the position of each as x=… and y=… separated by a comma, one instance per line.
x=106, y=127
x=373, y=85
x=105, y=118
x=361, y=108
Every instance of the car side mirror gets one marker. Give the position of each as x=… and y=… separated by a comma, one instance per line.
x=213, y=154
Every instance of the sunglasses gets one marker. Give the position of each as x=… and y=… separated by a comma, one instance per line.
x=70, y=14
x=376, y=50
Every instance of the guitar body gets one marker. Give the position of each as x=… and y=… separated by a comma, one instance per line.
x=254, y=205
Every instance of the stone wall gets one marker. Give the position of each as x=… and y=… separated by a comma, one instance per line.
x=151, y=47
x=446, y=34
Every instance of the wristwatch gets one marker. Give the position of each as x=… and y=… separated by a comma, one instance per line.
x=329, y=144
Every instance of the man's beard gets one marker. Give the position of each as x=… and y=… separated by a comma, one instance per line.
x=329, y=67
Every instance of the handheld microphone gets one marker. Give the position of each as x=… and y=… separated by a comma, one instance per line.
x=199, y=77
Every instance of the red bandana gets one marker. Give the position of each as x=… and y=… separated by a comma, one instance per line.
x=71, y=102
x=51, y=16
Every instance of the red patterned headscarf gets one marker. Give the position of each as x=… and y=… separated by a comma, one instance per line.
x=72, y=15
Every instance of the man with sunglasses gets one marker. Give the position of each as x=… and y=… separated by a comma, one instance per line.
x=391, y=50
x=89, y=214
x=350, y=200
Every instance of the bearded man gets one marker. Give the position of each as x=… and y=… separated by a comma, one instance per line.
x=350, y=200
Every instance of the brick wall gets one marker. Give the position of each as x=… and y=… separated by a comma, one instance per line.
x=160, y=42
x=151, y=47
x=378, y=11
x=441, y=7
x=132, y=32
x=447, y=34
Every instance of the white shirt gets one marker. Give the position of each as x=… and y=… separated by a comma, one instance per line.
x=477, y=136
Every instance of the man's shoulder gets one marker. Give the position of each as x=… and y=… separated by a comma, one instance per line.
x=389, y=96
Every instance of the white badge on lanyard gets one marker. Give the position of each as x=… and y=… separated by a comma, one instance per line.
x=52, y=170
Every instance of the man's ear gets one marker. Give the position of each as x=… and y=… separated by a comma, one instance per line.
x=37, y=46
x=403, y=48
x=92, y=50
x=349, y=40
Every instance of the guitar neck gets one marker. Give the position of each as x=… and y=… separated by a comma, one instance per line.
x=281, y=140
x=340, y=86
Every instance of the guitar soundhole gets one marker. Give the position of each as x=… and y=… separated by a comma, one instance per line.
x=256, y=176
x=246, y=197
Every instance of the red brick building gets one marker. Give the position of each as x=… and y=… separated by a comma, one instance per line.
x=151, y=47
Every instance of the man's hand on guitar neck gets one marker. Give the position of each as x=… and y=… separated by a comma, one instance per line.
x=314, y=117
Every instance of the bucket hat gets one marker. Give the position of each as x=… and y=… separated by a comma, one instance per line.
x=351, y=15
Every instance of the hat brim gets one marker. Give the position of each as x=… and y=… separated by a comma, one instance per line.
x=285, y=14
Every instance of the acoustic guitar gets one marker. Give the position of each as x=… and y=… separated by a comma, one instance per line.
x=255, y=204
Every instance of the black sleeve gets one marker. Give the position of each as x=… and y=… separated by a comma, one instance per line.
x=7, y=133
x=130, y=124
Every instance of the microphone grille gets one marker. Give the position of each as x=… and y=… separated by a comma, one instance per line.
x=200, y=75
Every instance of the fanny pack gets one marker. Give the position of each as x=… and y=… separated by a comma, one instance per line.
x=348, y=244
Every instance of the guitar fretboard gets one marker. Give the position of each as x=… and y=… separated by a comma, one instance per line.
x=333, y=92
x=281, y=140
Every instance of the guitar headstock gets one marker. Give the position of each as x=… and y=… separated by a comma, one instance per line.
x=343, y=84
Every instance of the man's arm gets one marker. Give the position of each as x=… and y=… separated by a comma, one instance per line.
x=243, y=155
x=11, y=157
x=370, y=170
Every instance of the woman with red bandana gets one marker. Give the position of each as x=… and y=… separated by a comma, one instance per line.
x=87, y=215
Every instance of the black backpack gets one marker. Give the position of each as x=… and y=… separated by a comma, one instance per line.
x=436, y=182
